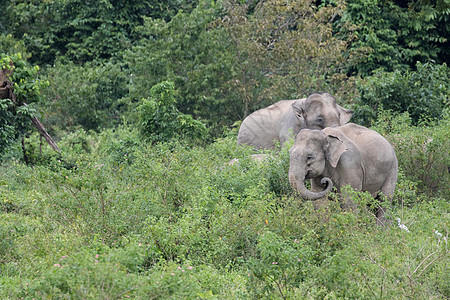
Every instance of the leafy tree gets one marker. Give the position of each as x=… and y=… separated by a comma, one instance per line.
x=229, y=59
x=10, y=46
x=14, y=112
x=192, y=52
x=396, y=34
x=424, y=93
x=160, y=120
x=78, y=30
x=85, y=95
x=285, y=50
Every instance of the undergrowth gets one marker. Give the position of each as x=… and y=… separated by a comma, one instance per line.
x=114, y=218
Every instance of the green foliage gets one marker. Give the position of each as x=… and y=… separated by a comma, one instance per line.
x=226, y=67
x=7, y=128
x=84, y=95
x=395, y=265
x=192, y=53
x=226, y=58
x=78, y=31
x=120, y=145
x=286, y=50
x=420, y=150
x=114, y=216
x=14, y=114
x=172, y=221
x=396, y=35
x=278, y=171
x=26, y=86
x=423, y=94
x=160, y=120
x=10, y=45
x=280, y=264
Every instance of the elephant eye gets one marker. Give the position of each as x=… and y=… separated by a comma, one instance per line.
x=309, y=157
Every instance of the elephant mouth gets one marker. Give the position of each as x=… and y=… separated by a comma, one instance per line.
x=309, y=175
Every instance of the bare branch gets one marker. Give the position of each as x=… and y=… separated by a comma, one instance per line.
x=44, y=132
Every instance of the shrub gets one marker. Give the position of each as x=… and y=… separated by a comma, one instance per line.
x=422, y=93
x=119, y=146
x=167, y=220
x=278, y=171
x=191, y=51
x=160, y=120
x=84, y=95
x=422, y=151
x=395, y=34
x=280, y=265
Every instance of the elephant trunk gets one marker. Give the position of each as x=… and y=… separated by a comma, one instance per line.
x=299, y=185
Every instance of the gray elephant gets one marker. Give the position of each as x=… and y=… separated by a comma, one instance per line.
x=346, y=155
x=284, y=119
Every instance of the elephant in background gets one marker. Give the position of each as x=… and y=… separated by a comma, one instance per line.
x=284, y=119
x=346, y=155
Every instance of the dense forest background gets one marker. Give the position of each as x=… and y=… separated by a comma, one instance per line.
x=227, y=58
x=144, y=99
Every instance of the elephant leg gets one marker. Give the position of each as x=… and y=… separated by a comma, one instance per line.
x=350, y=179
x=385, y=201
x=380, y=214
x=346, y=196
x=386, y=194
x=347, y=203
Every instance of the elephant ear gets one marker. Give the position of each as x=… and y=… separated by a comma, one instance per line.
x=344, y=115
x=299, y=108
x=333, y=149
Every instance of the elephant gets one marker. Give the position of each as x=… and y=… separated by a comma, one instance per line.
x=346, y=155
x=285, y=118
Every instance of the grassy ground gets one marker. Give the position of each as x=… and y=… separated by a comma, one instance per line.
x=117, y=219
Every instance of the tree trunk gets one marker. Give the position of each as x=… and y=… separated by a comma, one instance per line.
x=44, y=133
x=24, y=151
x=6, y=92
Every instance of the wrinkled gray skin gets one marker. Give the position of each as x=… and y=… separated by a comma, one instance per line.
x=284, y=119
x=346, y=155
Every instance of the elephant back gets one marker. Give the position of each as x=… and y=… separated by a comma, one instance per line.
x=260, y=128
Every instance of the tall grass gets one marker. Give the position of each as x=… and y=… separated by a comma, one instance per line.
x=116, y=218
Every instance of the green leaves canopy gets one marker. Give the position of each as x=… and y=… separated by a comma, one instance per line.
x=397, y=34
x=81, y=31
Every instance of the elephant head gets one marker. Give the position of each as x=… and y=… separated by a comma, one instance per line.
x=285, y=118
x=319, y=111
x=311, y=155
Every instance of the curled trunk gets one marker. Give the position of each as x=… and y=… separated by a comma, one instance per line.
x=307, y=194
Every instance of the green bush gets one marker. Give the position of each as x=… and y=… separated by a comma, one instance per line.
x=394, y=35
x=160, y=120
x=10, y=45
x=421, y=150
x=191, y=51
x=84, y=95
x=119, y=146
x=423, y=93
x=279, y=264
